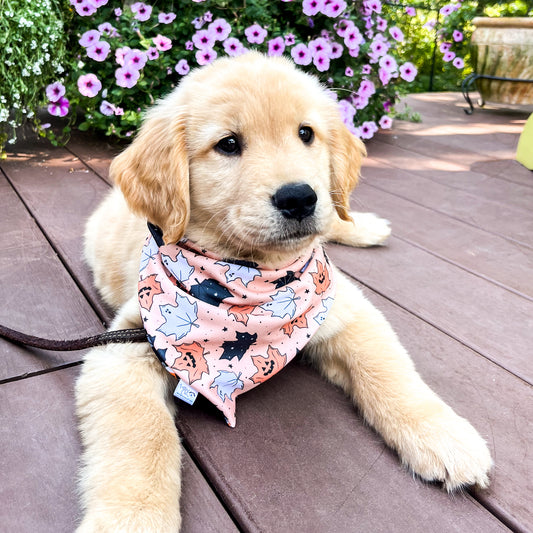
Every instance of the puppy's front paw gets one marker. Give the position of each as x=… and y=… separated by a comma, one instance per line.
x=369, y=229
x=447, y=448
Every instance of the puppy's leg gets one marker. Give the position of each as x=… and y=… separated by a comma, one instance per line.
x=366, y=229
x=130, y=479
x=357, y=349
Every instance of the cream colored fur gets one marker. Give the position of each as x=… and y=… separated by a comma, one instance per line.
x=173, y=176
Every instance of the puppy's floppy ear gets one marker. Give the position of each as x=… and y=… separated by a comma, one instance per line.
x=347, y=153
x=153, y=172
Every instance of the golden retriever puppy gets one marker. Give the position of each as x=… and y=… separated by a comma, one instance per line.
x=248, y=159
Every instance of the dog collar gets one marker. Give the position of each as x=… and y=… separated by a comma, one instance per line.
x=225, y=326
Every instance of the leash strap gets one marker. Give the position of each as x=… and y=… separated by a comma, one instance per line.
x=119, y=336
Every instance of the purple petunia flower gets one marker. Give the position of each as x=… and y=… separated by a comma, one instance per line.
x=448, y=56
x=319, y=45
x=312, y=7
x=152, y=53
x=198, y=22
x=166, y=18
x=354, y=52
x=388, y=63
x=220, y=29
x=301, y=54
x=120, y=53
x=381, y=24
x=204, y=57
x=366, y=89
x=107, y=29
x=343, y=27
x=107, y=108
x=89, y=85
x=384, y=76
x=290, y=39
x=336, y=50
x=458, y=62
x=368, y=129
x=59, y=108
x=396, y=33
x=353, y=37
x=347, y=111
x=408, y=71
x=334, y=8
x=189, y=45
x=208, y=16
x=321, y=61
x=367, y=69
x=457, y=36
x=255, y=34
x=204, y=39
x=141, y=11
x=348, y=72
x=99, y=51
x=444, y=47
x=276, y=46
x=446, y=10
x=182, y=67
x=55, y=91
x=162, y=43
x=411, y=11
x=89, y=37
x=136, y=59
x=372, y=6
x=385, y=122
x=233, y=47
x=84, y=8
x=118, y=12
x=127, y=76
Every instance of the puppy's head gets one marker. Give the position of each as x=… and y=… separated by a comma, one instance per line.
x=247, y=157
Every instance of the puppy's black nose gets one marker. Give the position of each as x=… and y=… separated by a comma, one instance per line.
x=296, y=200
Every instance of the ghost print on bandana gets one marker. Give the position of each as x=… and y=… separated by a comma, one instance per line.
x=222, y=326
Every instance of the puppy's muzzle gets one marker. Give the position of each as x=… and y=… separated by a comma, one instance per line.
x=295, y=201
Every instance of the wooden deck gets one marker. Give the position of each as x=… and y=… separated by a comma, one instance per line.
x=456, y=282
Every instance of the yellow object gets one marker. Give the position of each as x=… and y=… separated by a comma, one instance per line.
x=524, y=151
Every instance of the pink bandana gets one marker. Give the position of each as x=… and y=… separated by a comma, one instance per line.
x=223, y=327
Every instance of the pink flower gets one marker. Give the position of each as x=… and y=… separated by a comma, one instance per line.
x=368, y=129
x=59, y=108
x=189, y=45
x=182, y=67
x=120, y=53
x=204, y=39
x=379, y=47
x=290, y=39
x=411, y=11
x=366, y=89
x=198, y=22
x=118, y=12
x=408, y=71
x=319, y=45
x=142, y=11
x=152, y=53
x=166, y=18
x=127, y=76
x=108, y=29
x=388, y=63
x=106, y=108
x=89, y=85
x=384, y=76
x=162, y=43
x=204, y=57
x=55, y=91
x=136, y=59
x=354, y=52
x=301, y=54
x=348, y=72
x=321, y=61
x=89, y=37
x=276, y=46
x=381, y=24
x=312, y=7
x=458, y=62
x=448, y=56
x=99, y=51
x=353, y=37
x=334, y=8
x=220, y=29
x=233, y=47
x=367, y=69
x=255, y=34
x=372, y=6
x=336, y=50
x=457, y=36
x=444, y=47
x=446, y=10
x=85, y=8
x=208, y=16
x=347, y=111
x=359, y=102
x=385, y=122
x=396, y=33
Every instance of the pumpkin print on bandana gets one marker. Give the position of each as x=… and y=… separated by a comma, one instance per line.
x=225, y=326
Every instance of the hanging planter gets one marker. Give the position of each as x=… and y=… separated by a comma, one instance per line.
x=503, y=48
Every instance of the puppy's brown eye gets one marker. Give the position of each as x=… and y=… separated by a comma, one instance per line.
x=229, y=145
x=306, y=134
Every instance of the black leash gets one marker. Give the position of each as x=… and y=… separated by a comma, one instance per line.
x=118, y=336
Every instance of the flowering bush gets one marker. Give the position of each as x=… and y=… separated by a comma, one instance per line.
x=128, y=56
x=32, y=51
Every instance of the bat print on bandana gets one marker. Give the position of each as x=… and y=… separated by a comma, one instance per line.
x=223, y=327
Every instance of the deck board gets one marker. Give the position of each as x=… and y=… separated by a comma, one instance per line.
x=455, y=281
